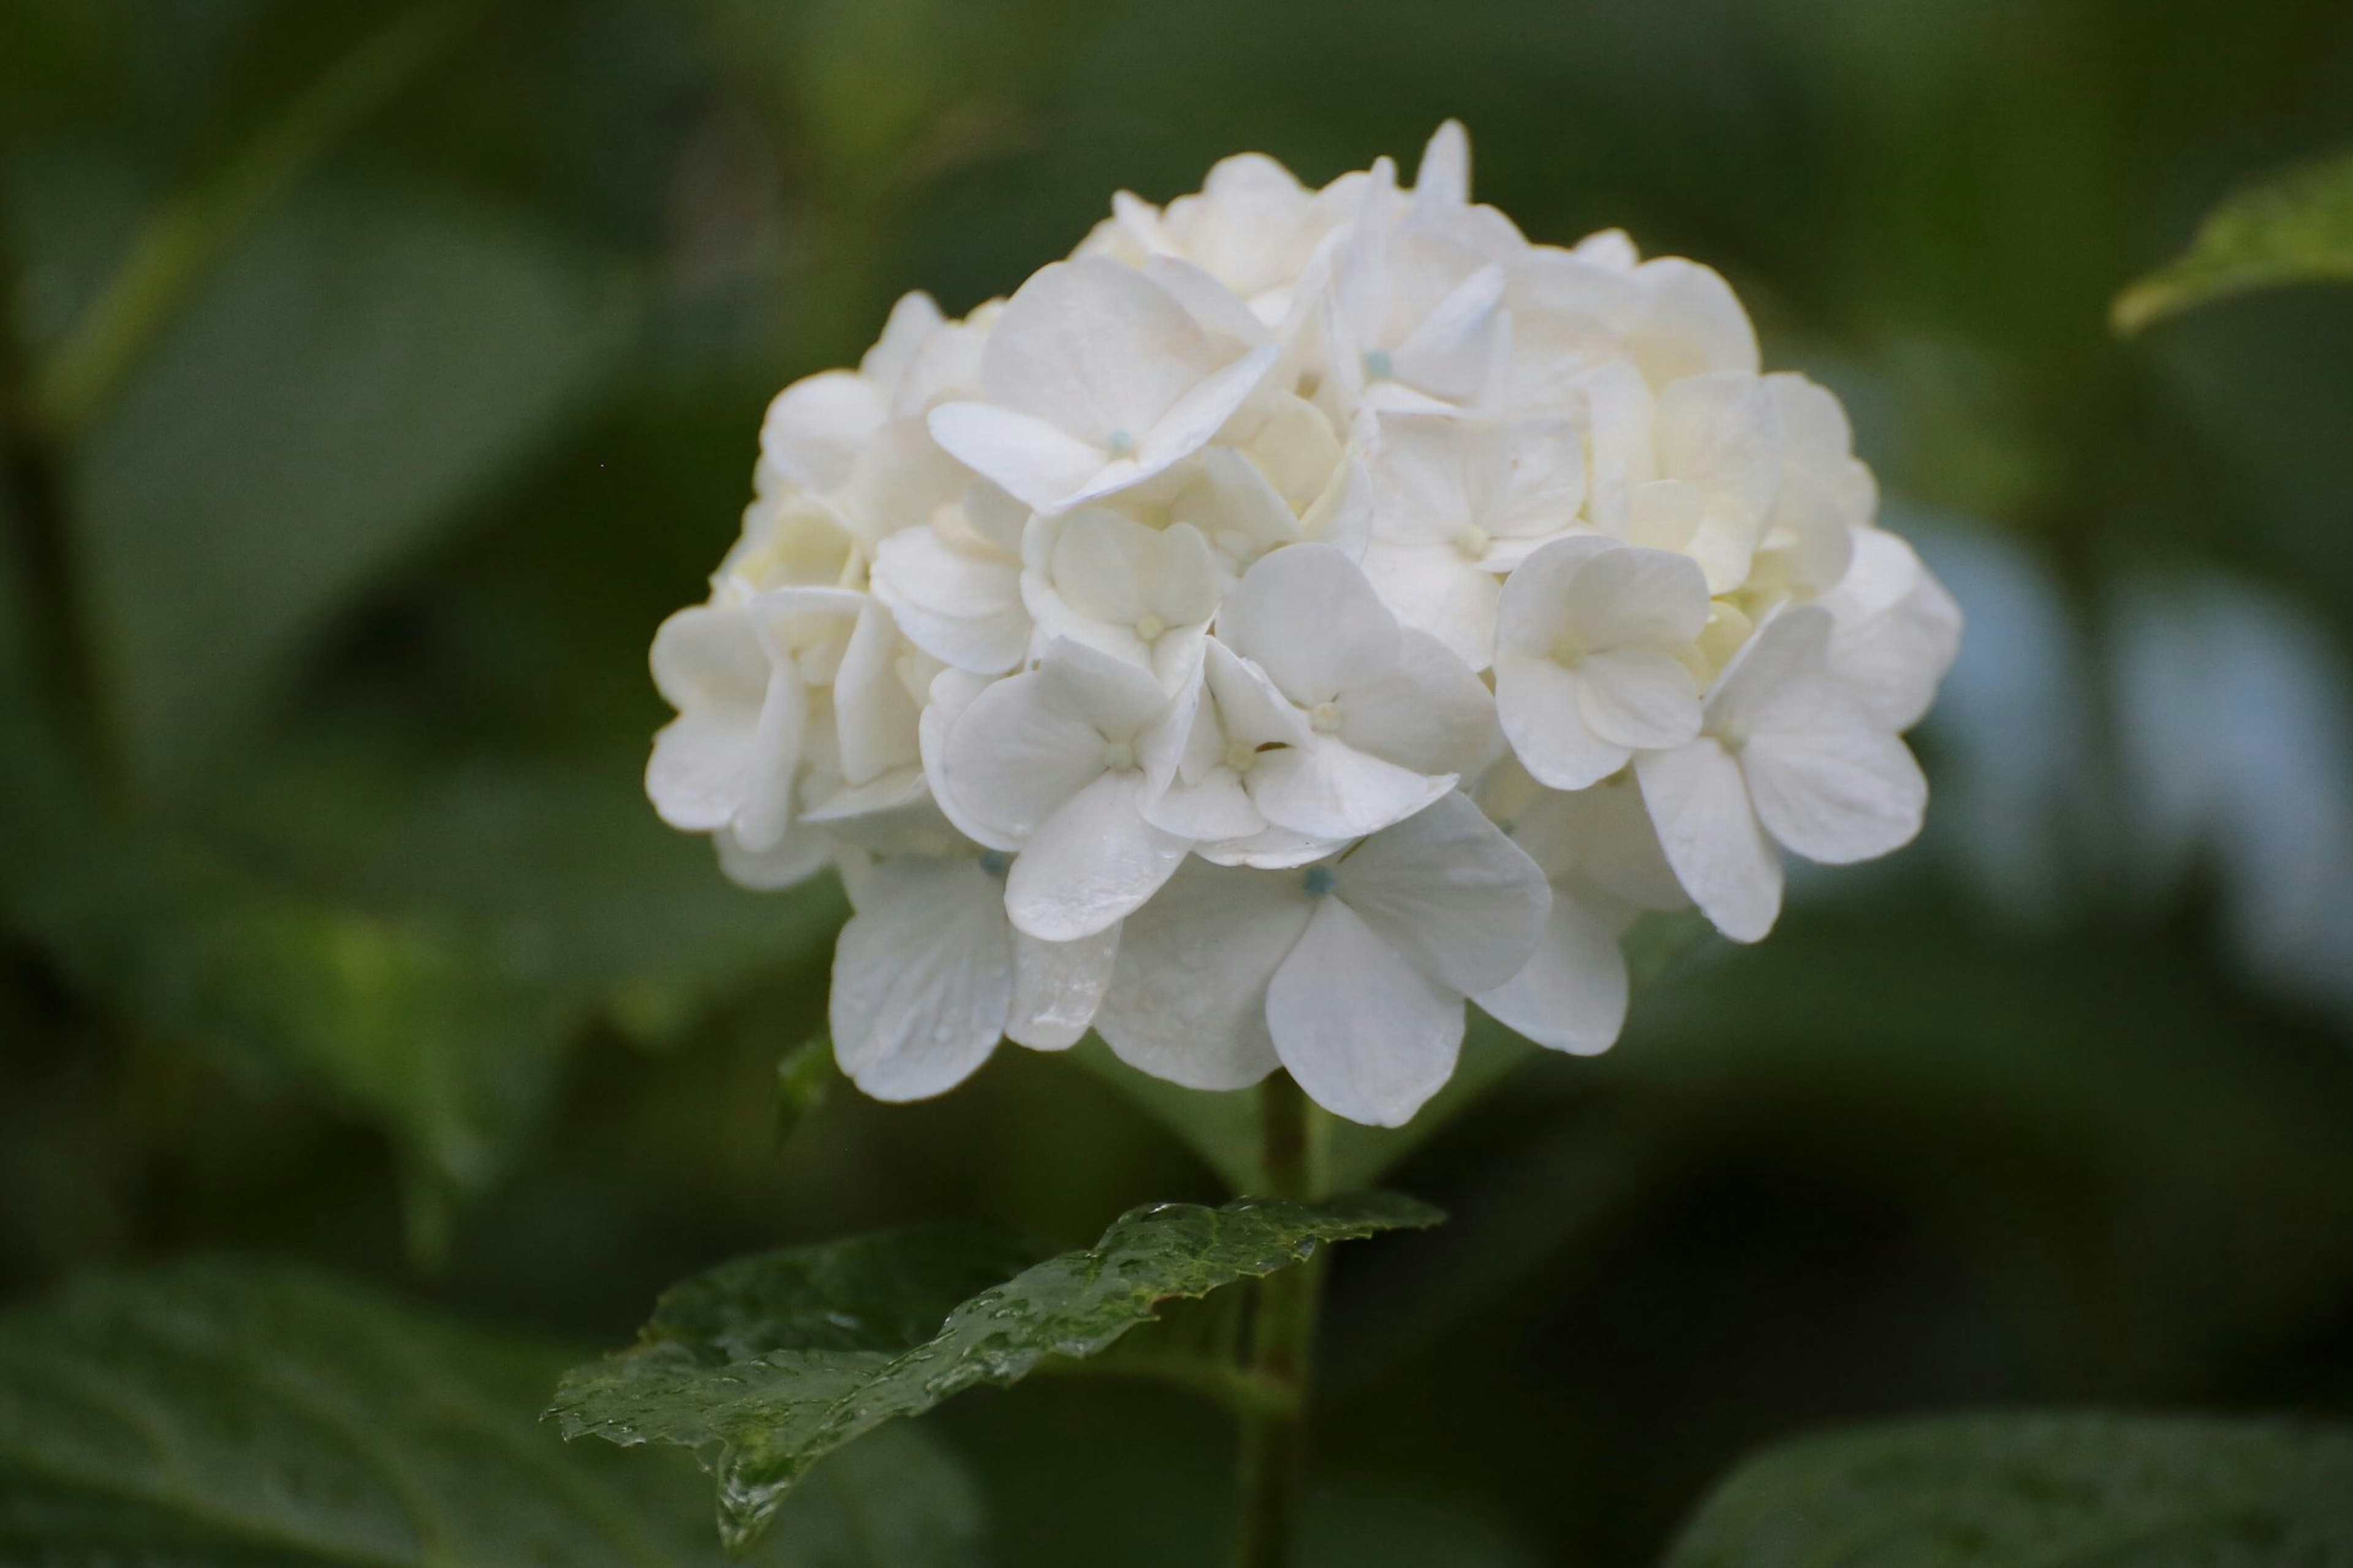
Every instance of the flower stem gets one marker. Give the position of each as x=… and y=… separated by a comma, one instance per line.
x=1274, y=1463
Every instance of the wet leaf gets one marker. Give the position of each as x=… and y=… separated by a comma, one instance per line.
x=767, y=1364
x=1997, y=1490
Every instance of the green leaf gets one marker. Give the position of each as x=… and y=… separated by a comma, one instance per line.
x=2000, y=1491
x=365, y=365
x=765, y=1364
x=2295, y=228
x=215, y=1415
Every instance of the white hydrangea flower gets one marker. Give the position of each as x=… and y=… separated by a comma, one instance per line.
x=1787, y=753
x=1393, y=720
x=1598, y=849
x=1350, y=973
x=1096, y=377
x=1456, y=504
x=1212, y=601
x=1051, y=762
x=1591, y=657
x=929, y=974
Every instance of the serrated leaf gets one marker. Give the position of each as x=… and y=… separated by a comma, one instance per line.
x=1999, y=1491
x=2295, y=228
x=215, y=1414
x=766, y=1364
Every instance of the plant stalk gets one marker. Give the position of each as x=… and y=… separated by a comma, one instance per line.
x=1273, y=1461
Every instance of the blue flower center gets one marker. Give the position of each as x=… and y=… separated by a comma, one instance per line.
x=1379, y=365
x=996, y=862
x=1318, y=880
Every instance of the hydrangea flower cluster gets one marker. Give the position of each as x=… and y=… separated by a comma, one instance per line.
x=1297, y=613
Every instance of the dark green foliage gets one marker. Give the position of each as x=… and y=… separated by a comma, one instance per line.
x=219, y=1415
x=1999, y=1491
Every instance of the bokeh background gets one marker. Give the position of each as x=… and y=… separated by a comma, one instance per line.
x=379, y=377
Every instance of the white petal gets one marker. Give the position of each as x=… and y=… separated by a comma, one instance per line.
x=775, y=759
x=1432, y=588
x=1093, y=347
x=1775, y=681
x=1448, y=890
x=1427, y=711
x=1276, y=849
x=1113, y=695
x=1213, y=306
x=1368, y=1037
x=873, y=713
x=913, y=322
x=1639, y=598
x=922, y=976
x=1056, y=987
x=1534, y=607
x=1638, y=699
x=1090, y=864
x=700, y=770
x=1035, y=462
x=798, y=856
x=1211, y=810
x=1571, y=993
x=1897, y=629
x=1543, y=714
x=1306, y=616
x=1421, y=479
x=1443, y=180
x=1601, y=836
x=1691, y=323
x=704, y=656
x=1188, y=997
x=814, y=428
x=1842, y=790
x=1248, y=706
x=1700, y=805
x=1193, y=418
x=1102, y=562
x=1014, y=756
x=1328, y=789
x=960, y=606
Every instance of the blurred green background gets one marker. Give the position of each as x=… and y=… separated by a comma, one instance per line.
x=377, y=377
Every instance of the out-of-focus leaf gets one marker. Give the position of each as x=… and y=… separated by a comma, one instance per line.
x=215, y=1414
x=1223, y=1128
x=805, y=1076
x=2295, y=227
x=353, y=375
x=767, y=1364
x=1994, y=1491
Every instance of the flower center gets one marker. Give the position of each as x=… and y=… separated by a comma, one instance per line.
x=1569, y=651
x=996, y=863
x=1240, y=755
x=1119, y=756
x=1318, y=880
x=1121, y=444
x=1379, y=365
x=1150, y=627
x=1473, y=541
x=1325, y=716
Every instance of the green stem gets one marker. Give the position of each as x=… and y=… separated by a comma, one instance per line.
x=1274, y=1463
